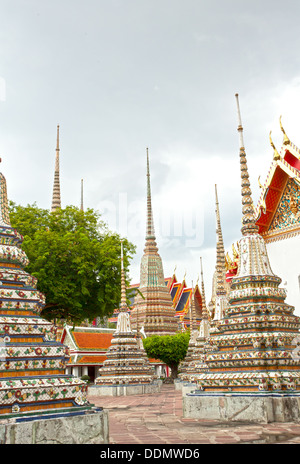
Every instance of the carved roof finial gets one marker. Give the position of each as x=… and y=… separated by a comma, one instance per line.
x=276, y=155
x=286, y=140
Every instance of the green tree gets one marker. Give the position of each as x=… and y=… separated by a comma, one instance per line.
x=170, y=349
x=75, y=258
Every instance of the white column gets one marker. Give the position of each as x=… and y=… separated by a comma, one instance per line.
x=75, y=371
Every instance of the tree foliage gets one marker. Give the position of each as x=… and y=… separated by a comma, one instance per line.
x=170, y=349
x=75, y=258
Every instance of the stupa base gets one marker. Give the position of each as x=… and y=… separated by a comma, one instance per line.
x=124, y=389
x=185, y=386
x=79, y=427
x=244, y=407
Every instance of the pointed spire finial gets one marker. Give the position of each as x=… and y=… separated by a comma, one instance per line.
x=218, y=219
x=123, y=305
x=150, y=234
x=56, y=201
x=204, y=307
x=220, y=264
x=57, y=138
x=240, y=127
x=248, y=216
x=192, y=311
x=150, y=225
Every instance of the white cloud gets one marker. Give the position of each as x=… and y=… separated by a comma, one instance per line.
x=120, y=76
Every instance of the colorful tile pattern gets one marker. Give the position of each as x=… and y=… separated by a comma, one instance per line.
x=288, y=212
x=126, y=360
x=253, y=347
x=32, y=362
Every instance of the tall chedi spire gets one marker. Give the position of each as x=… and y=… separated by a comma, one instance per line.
x=126, y=363
x=155, y=311
x=56, y=201
x=220, y=272
x=32, y=362
x=150, y=244
x=251, y=364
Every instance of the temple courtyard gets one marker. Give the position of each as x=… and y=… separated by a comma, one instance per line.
x=157, y=419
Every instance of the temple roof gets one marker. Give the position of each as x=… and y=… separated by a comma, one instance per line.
x=87, y=338
x=180, y=294
x=282, y=183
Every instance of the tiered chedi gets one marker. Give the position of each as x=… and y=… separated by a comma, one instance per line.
x=32, y=362
x=253, y=350
x=126, y=363
x=196, y=364
x=154, y=311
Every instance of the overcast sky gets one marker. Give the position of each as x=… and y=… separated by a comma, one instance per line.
x=122, y=75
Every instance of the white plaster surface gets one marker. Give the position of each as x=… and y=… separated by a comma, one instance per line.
x=284, y=256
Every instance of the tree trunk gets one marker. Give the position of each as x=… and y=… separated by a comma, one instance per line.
x=174, y=371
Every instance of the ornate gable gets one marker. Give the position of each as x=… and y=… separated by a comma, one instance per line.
x=287, y=216
x=277, y=211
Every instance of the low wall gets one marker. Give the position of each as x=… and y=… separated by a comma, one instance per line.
x=88, y=428
x=124, y=390
x=242, y=407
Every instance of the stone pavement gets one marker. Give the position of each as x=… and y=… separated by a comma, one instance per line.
x=157, y=419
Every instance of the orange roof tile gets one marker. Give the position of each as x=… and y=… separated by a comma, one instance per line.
x=89, y=340
x=153, y=360
x=91, y=360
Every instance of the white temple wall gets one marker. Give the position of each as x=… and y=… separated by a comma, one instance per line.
x=284, y=258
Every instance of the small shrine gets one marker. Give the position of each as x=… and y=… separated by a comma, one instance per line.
x=88, y=347
x=253, y=370
x=33, y=383
x=126, y=369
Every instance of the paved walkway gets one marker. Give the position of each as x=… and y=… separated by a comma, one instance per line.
x=157, y=419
